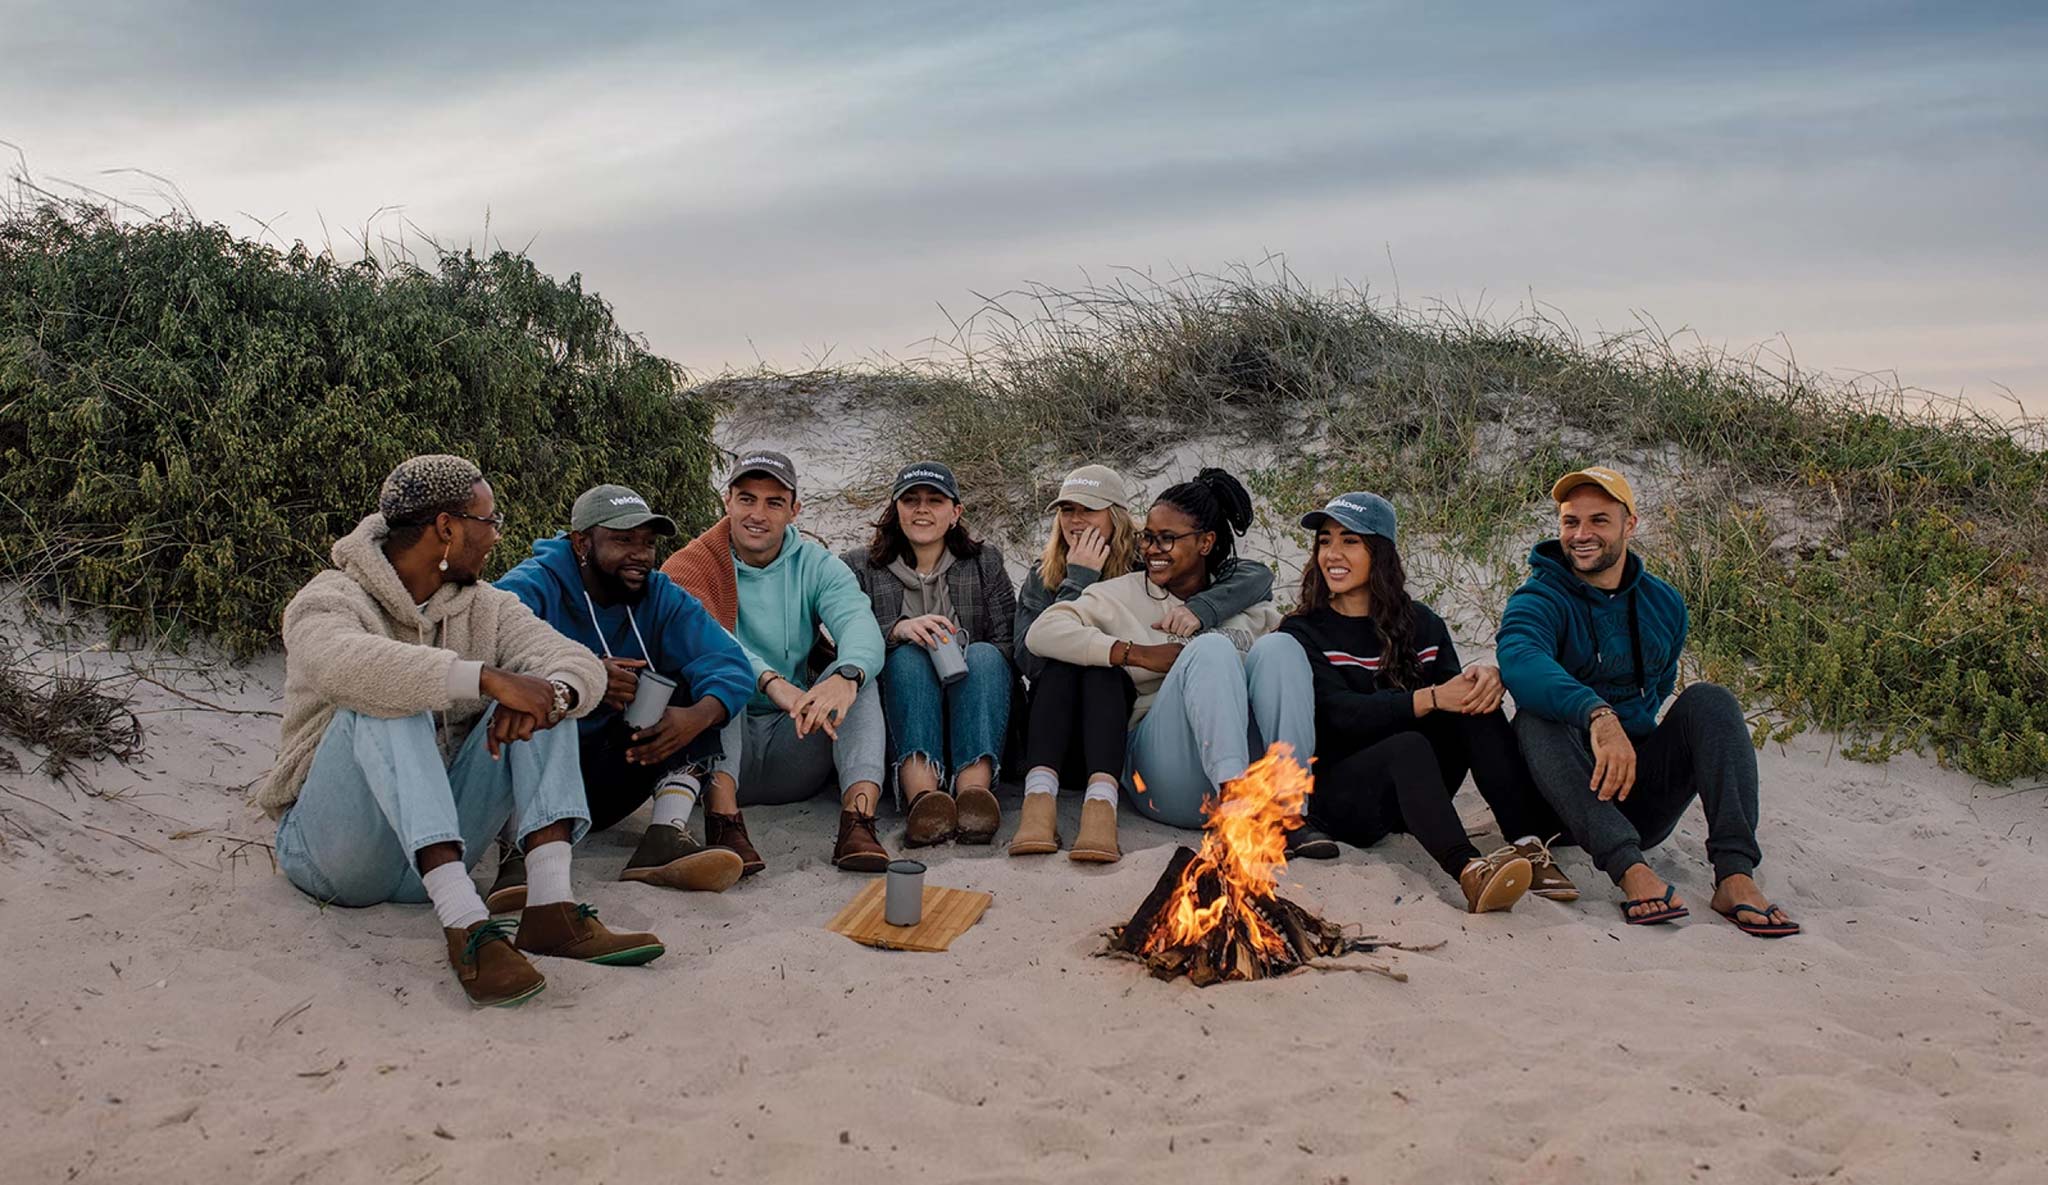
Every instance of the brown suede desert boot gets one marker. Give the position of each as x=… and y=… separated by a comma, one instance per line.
x=671, y=857
x=508, y=888
x=978, y=813
x=1496, y=881
x=730, y=832
x=491, y=972
x=1038, y=831
x=931, y=819
x=567, y=930
x=857, y=849
x=1096, y=841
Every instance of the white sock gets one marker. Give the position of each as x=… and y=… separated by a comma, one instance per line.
x=547, y=873
x=1041, y=780
x=675, y=796
x=456, y=901
x=1101, y=790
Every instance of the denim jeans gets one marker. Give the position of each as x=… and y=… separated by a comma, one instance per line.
x=377, y=793
x=951, y=727
x=771, y=765
x=1700, y=749
x=1215, y=707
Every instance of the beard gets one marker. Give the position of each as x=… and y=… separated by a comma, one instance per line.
x=1609, y=555
x=613, y=590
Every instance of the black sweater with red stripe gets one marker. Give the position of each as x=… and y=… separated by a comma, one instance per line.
x=1353, y=707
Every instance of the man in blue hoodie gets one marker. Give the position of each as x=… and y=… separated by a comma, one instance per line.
x=1589, y=648
x=597, y=584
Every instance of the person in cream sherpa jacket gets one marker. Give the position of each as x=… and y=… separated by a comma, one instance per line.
x=1193, y=704
x=419, y=714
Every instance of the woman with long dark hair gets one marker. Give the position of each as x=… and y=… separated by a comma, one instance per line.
x=934, y=588
x=1093, y=538
x=1188, y=703
x=1399, y=721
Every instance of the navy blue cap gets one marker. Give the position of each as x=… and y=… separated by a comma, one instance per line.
x=926, y=473
x=1360, y=513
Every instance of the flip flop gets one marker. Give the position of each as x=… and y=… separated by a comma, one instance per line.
x=1670, y=912
x=1763, y=929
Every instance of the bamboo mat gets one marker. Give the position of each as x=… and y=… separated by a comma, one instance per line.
x=947, y=915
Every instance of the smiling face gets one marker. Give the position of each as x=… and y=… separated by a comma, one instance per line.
x=1594, y=528
x=1173, y=548
x=1075, y=520
x=1343, y=558
x=469, y=540
x=618, y=561
x=761, y=510
x=925, y=515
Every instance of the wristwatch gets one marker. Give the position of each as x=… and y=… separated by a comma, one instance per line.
x=564, y=700
x=1602, y=710
x=849, y=671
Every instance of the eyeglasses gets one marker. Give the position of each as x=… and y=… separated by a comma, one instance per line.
x=1161, y=540
x=496, y=518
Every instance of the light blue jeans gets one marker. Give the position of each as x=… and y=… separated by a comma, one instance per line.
x=1215, y=709
x=378, y=793
x=951, y=727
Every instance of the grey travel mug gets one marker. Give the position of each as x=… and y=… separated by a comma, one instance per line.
x=650, y=699
x=903, y=895
x=949, y=659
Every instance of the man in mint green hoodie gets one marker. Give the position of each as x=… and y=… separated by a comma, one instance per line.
x=798, y=730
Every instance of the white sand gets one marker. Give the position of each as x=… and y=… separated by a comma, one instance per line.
x=185, y=1014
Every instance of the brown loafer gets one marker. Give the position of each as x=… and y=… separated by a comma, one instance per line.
x=1548, y=880
x=491, y=972
x=567, y=930
x=508, y=888
x=931, y=820
x=1038, y=828
x=1495, y=882
x=857, y=849
x=1096, y=843
x=978, y=813
x=671, y=857
x=730, y=832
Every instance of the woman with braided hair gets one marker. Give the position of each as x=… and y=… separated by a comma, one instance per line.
x=1198, y=700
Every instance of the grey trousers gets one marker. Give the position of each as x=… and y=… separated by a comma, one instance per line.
x=771, y=765
x=1700, y=749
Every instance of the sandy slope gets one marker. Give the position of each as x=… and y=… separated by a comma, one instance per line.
x=182, y=1013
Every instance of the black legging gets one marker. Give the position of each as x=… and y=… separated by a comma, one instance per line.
x=1094, y=702
x=613, y=788
x=1406, y=783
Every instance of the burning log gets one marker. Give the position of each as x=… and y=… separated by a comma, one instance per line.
x=1215, y=914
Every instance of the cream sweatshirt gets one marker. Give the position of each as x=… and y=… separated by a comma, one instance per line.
x=1126, y=609
x=353, y=638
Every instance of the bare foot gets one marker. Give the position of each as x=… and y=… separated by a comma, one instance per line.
x=1640, y=884
x=1742, y=889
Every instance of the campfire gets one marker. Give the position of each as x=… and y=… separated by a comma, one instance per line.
x=1215, y=915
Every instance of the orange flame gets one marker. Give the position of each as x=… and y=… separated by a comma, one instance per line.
x=1244, y=847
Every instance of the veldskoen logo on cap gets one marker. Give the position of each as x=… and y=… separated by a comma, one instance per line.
x=762, y=460
x=1082, y=481
x=1352, y=506
x=629, y=500
x=924, y=473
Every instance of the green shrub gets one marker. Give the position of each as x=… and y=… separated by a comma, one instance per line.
x=187, y=419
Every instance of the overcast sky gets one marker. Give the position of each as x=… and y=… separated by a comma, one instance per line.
x=802, y=180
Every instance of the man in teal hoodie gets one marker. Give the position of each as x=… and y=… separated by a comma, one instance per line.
x=596, y=584
x=1589, y=648
x=808, y=726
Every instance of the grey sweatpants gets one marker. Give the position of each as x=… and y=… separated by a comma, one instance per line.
x=1700, y=749
x=771, y=765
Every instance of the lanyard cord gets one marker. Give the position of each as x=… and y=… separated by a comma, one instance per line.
x=599, y=626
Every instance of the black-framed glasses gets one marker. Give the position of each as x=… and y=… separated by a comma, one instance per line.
x=1162, y=540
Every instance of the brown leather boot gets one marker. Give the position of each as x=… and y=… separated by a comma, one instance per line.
x=931, y=819
x=1548, y=879
x=508, y=889
x=978, y=813
x=730, y=832
x=857, y=849
x=671, y=857
x=567, y=930
x=492, y=973
x=1038, y=831
x=1495, y=881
